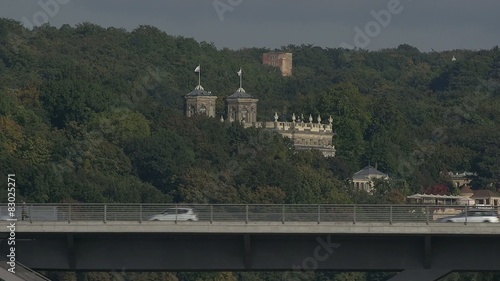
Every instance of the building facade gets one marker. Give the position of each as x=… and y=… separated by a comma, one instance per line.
x=242, y=107
x=306, y=135
x=460, y=179
x=478, y=198
x=364, y=178
x=200, y=102
x=281, y=60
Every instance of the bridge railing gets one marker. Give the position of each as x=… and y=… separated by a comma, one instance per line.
x=239, y=213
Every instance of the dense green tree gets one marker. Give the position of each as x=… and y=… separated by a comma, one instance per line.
x=93, y=114
x=120, y=125
x=161, y=159
x=68, y=100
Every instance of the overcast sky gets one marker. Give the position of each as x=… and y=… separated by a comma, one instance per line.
x=425, y=24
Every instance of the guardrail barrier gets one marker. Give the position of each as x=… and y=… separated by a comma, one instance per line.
x=242, y=213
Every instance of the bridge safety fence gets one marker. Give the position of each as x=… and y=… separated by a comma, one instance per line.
x=238, y=212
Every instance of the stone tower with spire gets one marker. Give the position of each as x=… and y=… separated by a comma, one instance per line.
x=241, y=107
x=200, y=102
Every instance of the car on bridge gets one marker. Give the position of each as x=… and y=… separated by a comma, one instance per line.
x=176, y=214
x=474, y=215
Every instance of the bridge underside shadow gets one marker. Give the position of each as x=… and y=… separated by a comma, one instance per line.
x=420, y=257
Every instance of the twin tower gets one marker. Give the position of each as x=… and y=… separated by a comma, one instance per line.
x=242, y=107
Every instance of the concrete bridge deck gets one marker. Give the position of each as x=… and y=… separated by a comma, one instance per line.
x=201, y=227
x=100, y=237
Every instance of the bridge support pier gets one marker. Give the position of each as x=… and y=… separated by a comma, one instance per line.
x=420, y=275
x=425, y=274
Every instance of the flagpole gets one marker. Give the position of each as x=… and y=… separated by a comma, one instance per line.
x=241, y=77
x=199, y=77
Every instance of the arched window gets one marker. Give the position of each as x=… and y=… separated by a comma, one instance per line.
x=233, y=114
x=192, y=110
x=203, y=110
x=244, y=115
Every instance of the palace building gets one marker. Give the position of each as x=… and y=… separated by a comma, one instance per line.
x=242, y=107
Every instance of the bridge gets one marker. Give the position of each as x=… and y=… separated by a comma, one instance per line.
x=292, y=238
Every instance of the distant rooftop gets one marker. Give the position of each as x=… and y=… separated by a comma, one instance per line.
x=434, y=196
x=367, y=173
x=240, y=94
x=199, y=91
x=466, y=189
x=461, y=175
x=483, y=193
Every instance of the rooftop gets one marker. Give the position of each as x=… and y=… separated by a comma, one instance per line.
x=483, y=193
x=466, y=189
x=199, y=91
x=367, y=173
x=240, y=94
x=434, y=196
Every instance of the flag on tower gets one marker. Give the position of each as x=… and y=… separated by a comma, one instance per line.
x=197, y=69
x=239, y=72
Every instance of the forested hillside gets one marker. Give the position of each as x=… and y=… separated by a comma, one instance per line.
x=92, y=114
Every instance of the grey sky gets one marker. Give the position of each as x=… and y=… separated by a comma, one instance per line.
x=426, y=24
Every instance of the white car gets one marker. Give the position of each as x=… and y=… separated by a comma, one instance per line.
x=474, y=215
x=176, y=214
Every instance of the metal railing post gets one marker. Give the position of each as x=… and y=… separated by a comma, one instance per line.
x=69, y=213
x=140, y=213
x=105, y=212
x=390, y=215
x=283, y=214
x=175, y=213
x=427, y=214
x=30, y=213
x=211, y=214
x=466, y=214
x=354, y=214
x=319, y=214
x=246, y=214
